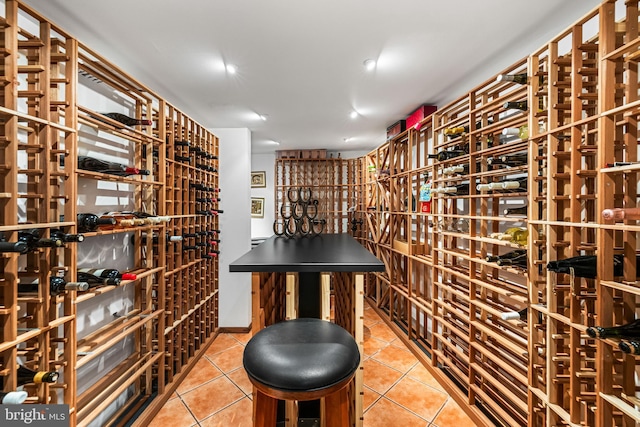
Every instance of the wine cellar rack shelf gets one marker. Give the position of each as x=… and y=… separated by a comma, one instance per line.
x=330, y=181
x=163, y=314
x=526, y=162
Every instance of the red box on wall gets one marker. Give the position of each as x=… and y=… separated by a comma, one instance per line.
x=417, y=116
x=396, y=129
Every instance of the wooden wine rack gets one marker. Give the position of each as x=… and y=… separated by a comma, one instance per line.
x=331, y=181
x=53, y=90
x=442, y=297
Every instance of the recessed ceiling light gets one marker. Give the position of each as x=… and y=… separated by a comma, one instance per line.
x=232, y=69
x=275, y=142
x=353, y=114
x=369, y=64
x=346, y=139
x=263, y=117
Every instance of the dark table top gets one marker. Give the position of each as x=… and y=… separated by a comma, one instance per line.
x=323, y=253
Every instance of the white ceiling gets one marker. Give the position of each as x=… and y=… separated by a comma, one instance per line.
x=300, y=62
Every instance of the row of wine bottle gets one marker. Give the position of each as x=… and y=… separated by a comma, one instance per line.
x=516, y=185
x=87, y=278
x=507, y=160
x=31, y=240
x=584, y=266
x=629, y=333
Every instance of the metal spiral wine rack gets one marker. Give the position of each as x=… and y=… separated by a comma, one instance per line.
x=298, y=215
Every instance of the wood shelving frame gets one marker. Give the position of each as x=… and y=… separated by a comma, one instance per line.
x=174, y=314
x=582, y=94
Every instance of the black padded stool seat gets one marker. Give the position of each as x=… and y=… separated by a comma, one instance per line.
x=301, y=359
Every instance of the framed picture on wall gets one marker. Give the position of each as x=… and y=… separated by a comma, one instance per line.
x=257, y=207
x=258, y=179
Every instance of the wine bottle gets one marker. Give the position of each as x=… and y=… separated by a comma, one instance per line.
x=619, y=214
x=180, y=143
x=519, y=261
x=57, y=285
x=452, y=170
x=515, y=315
x=517, y=185
x=518, y=235
x=516, y=105
x=629, y=347
x=88, y=222
x=13, y=247
x=521, y=132
x=126, y=120
x=28, y=376
x=28, y=241
x=508, y=255
x=66, y=238
x=149, y=218
x=444, y=155
x=630, y=331
x=520, y=78
x=107, y=273
x=124, y=220
x=509, y=160
x=522, y=210
x=586, y=265
x=13, y=397
x=111, y=168
x=458, y=190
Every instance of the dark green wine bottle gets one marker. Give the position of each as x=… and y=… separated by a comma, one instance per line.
x=629, y=331
x=629, y=347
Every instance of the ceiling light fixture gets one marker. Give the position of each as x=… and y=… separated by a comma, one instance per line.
x=369, y=64
x=353, y=114
x=263, y=117
x=346, y=139
x=232, y=69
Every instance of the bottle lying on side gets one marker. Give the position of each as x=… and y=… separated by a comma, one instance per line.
x=28, y=241
x=112, y=168
x=104, y=276
x=57, y=285
x=586, y=266
x=124, y=119
x=29, y=376
x=630, y=331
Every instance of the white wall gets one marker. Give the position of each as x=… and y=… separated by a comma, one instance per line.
x=263, y=227
x=235, y=223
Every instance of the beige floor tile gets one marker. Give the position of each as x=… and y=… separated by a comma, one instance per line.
x=369, y=397
x=221, y=343
x=452, y=416
x=379, y=377
x=229, y=359
x=373, y=345
x=211, y=397
x=202, y=372
x=240, y=378
x=382, y=332
x=421, y=374
x=417, y=397
x=396, y=357
x=174, y=413
x=243, y=338
x=237, y=415
x=385, y=413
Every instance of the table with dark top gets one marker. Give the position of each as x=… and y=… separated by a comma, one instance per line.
x=292, y=278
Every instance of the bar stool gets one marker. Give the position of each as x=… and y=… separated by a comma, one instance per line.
x=301, y=359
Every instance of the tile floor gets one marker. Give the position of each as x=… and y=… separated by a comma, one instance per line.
x=398, y=390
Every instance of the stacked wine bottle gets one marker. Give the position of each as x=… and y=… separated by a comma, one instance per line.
x=299, y=215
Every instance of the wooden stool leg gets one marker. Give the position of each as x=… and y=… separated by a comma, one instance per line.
x=337, y=409
x=265, y=410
